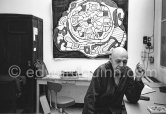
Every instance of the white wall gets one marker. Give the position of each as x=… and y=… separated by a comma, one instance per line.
x=140, y=23
x=161, y=70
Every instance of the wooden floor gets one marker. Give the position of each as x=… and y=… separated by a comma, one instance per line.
x=74, y=110
x=69, y=110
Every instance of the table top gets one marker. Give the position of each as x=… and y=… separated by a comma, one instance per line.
x=57, y=77
x=156, y=98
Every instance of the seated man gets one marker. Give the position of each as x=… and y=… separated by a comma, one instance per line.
x=110, y=82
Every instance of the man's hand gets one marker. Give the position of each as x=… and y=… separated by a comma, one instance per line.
x=139, y=71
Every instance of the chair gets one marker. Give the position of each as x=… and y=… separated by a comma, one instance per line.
x=61, y=102
x=44, y=104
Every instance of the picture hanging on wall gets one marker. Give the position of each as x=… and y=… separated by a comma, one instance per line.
x=88, y=28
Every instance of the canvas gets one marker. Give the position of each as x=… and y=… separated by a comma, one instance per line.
x=88, y=28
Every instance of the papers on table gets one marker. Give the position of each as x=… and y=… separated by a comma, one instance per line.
x=147, y=90
x=160, y=98
x=157, y=109
x=52, y=77
x=156, y=84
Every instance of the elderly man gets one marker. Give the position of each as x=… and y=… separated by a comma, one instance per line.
x=110, y=82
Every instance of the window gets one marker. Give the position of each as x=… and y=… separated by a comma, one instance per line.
x=163, y=35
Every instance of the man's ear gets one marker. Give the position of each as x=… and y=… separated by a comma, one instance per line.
x=110, y=57
x=111, y=53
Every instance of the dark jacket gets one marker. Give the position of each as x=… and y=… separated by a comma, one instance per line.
x=105, y=97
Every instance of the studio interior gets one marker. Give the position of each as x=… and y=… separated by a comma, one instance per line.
x=51, y=48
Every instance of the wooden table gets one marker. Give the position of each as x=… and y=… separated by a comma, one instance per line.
x=43, y=81
x=141, y=106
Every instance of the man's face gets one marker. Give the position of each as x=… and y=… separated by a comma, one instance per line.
x=119, y=62
x=119, y=59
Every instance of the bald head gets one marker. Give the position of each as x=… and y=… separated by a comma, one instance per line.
x=119, y=51
x=119, y=57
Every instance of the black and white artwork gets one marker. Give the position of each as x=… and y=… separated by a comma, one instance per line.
x=88, y=28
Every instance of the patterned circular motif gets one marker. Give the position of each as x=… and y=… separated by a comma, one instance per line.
x=91, y=27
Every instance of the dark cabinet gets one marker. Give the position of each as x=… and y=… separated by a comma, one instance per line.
x=21, y=44
x=21, y=40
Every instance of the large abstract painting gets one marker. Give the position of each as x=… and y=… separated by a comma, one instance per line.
x=88, y=28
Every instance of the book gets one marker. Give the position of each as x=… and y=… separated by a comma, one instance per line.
x=158, y=109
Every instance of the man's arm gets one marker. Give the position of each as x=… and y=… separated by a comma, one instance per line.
x=136, y=85
x=92, y=94
x=134, y=89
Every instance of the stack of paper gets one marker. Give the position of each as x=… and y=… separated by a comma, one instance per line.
x=147, y=90
x=157, y=109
